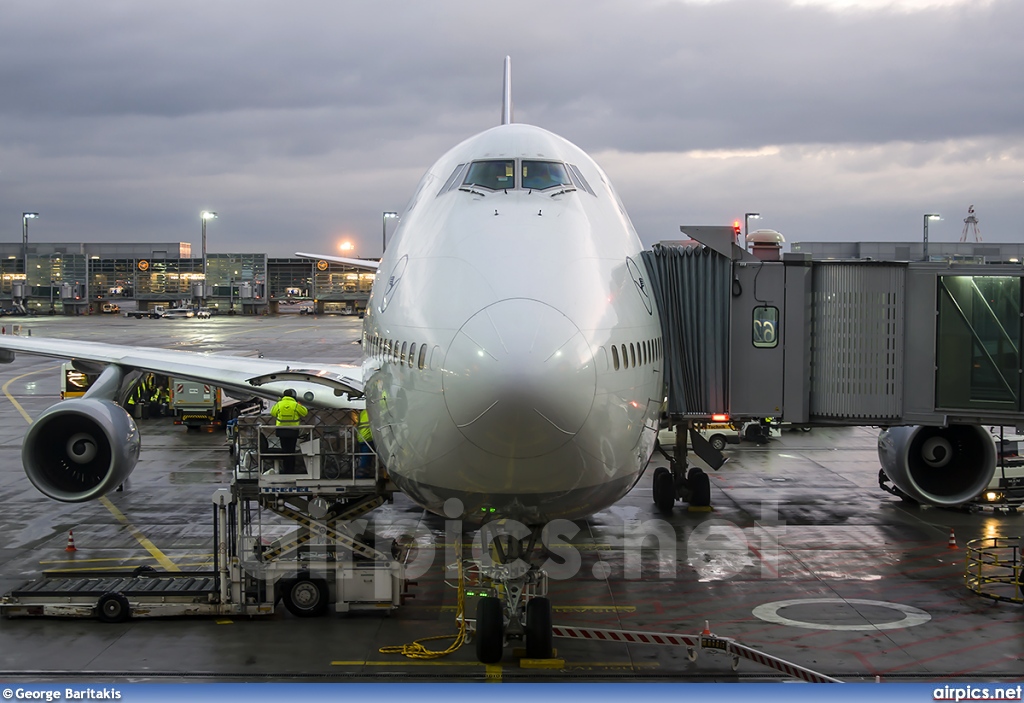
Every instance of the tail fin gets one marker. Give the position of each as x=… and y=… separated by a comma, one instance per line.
x=506, y=96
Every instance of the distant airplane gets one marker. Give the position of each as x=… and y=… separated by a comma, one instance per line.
x=513, y=354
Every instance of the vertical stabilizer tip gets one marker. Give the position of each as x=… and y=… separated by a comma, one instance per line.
x=506, y=94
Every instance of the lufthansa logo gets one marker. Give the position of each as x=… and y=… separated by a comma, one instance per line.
x=641, y=286
x=143, y=265
x=321, y=265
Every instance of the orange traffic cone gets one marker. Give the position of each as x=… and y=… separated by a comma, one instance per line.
x=707, y=629
x=952, y=540
x=71, y=542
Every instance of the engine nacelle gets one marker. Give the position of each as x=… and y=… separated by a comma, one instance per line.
x=80, y=449
x=938, y=465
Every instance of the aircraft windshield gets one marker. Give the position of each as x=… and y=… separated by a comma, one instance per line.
x=538, y=175
x=496, y=175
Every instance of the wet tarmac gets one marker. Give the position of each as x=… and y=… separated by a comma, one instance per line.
x=803, y=558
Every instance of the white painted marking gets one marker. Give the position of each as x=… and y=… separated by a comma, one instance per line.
x=912, y=616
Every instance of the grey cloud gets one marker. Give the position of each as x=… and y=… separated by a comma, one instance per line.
x=309, y=118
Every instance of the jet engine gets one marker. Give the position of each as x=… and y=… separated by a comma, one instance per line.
x=938, y=465
x=80, y=449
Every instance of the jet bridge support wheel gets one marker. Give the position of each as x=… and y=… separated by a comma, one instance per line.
x=490, y=635
x=700, y=487
x=538, y=629
x=664, y=489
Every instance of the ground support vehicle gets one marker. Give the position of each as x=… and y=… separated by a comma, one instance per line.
x=1006, y=489
x=202, y=406
x=159, y=311
x=278, y=538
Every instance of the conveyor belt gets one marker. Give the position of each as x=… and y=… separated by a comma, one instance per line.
x=150, y=584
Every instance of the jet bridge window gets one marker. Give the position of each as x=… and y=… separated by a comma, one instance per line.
x=539, y=175
x=766, y=327
x=494, y=175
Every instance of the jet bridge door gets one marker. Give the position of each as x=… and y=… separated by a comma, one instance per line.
x=691, y=286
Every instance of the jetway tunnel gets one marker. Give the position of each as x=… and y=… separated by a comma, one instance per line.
x=836, y=342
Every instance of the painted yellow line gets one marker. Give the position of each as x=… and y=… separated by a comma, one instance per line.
x=15, y=403
x=126, y=567
x=139, y=537
x=98, y=559
x=436, y=662
x=403, y=662
x=555, y=608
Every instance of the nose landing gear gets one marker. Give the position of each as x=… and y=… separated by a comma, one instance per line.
x=513, y=604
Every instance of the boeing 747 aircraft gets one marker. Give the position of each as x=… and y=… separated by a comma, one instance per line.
x=513, y=351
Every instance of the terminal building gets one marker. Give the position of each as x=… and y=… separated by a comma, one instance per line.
x=78, y=278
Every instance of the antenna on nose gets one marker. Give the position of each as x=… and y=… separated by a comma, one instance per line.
x=506, y=95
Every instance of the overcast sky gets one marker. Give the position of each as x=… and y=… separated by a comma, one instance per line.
x=300, y=122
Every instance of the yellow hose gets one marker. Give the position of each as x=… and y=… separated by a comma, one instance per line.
x=416, y=649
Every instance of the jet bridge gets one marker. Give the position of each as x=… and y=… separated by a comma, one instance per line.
x=837, y=342
x=887, y=343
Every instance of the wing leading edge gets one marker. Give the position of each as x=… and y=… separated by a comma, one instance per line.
x=330, y=386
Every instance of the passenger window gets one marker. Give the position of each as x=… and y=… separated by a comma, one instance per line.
x=625, y=358
x=615, y=357
x=495, y=175
x=423, y=356
x=632, y=355
x=401, y=359
x=412, y=353
x=538, y=175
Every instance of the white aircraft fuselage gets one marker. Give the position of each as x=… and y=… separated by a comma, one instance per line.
x=514, y=356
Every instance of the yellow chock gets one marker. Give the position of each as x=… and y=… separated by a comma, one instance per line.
x=699, y=509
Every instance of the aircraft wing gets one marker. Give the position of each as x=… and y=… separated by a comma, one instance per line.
x=361, y=263
x=323, y=385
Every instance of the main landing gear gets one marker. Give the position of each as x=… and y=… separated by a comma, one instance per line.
x=513, y=603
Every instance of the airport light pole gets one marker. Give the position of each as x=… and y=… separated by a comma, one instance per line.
x=25, y=217
x=384, y=230
x=205, y=215
x=929, y=216
x=53, y=281
x=746, y=221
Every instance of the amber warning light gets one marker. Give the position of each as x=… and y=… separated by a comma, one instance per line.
x=720, y=417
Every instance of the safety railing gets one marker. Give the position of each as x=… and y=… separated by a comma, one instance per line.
x=994, y=568
x=325, y=450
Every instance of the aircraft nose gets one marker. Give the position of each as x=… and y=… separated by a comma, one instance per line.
x=519, y=379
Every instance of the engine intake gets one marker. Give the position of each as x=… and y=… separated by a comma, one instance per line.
x=80, y=449
x=943, y=466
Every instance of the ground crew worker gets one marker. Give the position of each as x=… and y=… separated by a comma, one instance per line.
x=366, y=452
x=288, y=412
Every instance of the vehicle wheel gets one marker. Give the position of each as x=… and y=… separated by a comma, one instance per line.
x=700, y=487
x=143, y=569
x=538, y=629
x=490, y=635
x=305, y=597
x=113, y=607
x=717, y=442
x=805, y=429
x=664, y=489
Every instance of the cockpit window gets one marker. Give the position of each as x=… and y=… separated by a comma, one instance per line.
x=538, y=175
x=496, y=175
